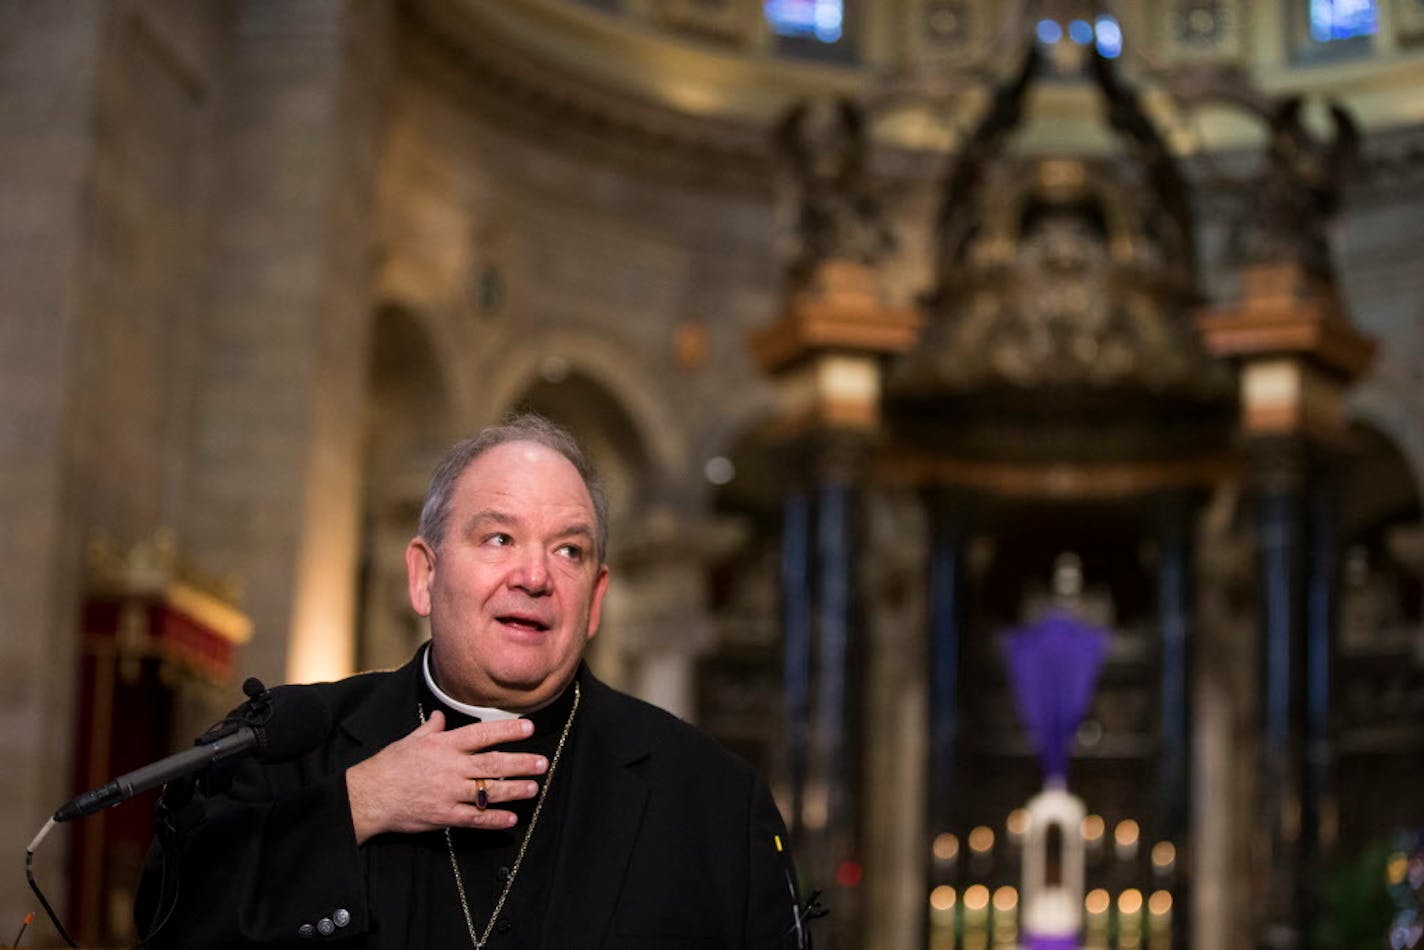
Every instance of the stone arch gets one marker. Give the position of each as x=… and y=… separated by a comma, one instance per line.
x=615, y=441
x=603, y=427
x=411, y=417
x=1380, y=485
x=1386, y=411
x=615, y=370
x=409, y=385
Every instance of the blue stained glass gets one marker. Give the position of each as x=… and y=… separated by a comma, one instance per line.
x=1080, y=32
x=1049, y=32
x=1109, y=37
x=822, y=19
x=1342, y=19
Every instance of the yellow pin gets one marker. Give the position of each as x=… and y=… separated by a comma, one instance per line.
x=776, y=839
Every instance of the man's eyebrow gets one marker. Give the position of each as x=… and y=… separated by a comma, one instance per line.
x=576, y=528
x=491, y=516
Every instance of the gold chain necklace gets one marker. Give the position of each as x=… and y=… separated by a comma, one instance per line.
x=481, y=939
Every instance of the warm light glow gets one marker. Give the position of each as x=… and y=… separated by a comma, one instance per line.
x=1129, y=901
x=1017, y=822
x=1395, y=870
x=976, y=897
x=981, y=839
x=942, y=898
x=946, y=847
x=1097, y=901
x=1159, y=904
x=1093, y=827
x=1005, y=899
x=1126, y=833
x=1164, y=854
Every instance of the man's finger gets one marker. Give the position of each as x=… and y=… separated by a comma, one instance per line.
x=495, y=791
x=482, y=735
x=468, y=816
x=493, y=765
x=435, y=722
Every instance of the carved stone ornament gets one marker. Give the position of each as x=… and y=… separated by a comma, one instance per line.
x=1299, y=193
x=830, y=210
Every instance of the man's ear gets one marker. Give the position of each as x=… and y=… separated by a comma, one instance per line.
x=419, y=574
x=595, y=605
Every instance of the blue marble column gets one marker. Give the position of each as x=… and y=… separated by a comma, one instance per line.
x=833, y=759
x=1174, y=619
x=821, y=637
x=1299, y=604
x=946, y=630
x=796, y=657
x=1321, y=624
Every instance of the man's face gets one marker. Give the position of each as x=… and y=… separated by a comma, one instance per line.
x=514, y=591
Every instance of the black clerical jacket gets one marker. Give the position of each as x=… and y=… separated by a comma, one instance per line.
x=668, y=842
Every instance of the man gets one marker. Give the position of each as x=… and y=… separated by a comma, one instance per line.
x=492, y=792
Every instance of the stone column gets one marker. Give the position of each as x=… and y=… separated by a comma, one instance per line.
x=1297, y=355
x=662, y=570
x=895, y=834
x=825, y=352
x=276, y=480
x=1224, y=705
x=49, y=60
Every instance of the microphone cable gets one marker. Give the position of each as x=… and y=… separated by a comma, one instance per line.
x=35, y=886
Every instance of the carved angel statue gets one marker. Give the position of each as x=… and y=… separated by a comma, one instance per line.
x=834, y=212
x=1300, y=192
x=959, y=210
x=1168, y=197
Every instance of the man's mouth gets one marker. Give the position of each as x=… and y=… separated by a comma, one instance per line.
x=523, y=622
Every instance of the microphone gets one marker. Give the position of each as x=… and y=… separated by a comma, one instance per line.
x=274, y=724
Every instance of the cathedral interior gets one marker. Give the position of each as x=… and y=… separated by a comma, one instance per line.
x=894, y=326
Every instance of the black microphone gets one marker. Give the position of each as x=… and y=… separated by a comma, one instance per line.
x=275, y=724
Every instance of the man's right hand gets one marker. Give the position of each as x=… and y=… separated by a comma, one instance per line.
x=426, y=780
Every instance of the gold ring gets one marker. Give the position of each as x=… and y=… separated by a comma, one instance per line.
x=481, y=797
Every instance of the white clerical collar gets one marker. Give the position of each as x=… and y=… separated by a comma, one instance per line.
x=482, y=713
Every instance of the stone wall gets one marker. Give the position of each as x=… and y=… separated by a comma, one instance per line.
x=206, y=205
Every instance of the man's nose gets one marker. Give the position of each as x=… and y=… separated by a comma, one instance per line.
x=531, y=573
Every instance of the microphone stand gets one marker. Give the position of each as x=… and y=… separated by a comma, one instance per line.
x=257, y=708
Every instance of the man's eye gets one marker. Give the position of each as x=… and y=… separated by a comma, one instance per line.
x=571, y=551
x=499, y=539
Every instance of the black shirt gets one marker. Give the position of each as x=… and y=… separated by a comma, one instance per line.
x=487, y=858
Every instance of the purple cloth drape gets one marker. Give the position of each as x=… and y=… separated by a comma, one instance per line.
x=1053, y=665
x=1051, y=943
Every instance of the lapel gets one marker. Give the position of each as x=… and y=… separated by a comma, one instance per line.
x=387, y=714
x=607, y=796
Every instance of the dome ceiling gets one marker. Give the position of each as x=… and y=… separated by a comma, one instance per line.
x=922, y=65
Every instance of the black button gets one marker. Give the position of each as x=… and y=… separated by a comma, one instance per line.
x=306, y=930
x=502, y=875
x=504, y=926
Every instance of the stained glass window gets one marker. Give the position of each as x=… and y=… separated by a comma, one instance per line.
x=819, y=19
x=1342, y=19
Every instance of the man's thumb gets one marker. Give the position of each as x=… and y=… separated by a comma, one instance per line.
x=435, y=722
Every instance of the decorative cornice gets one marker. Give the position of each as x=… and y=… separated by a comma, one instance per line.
x=1283, y=311
x=1054, y=480
x=551, y=101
